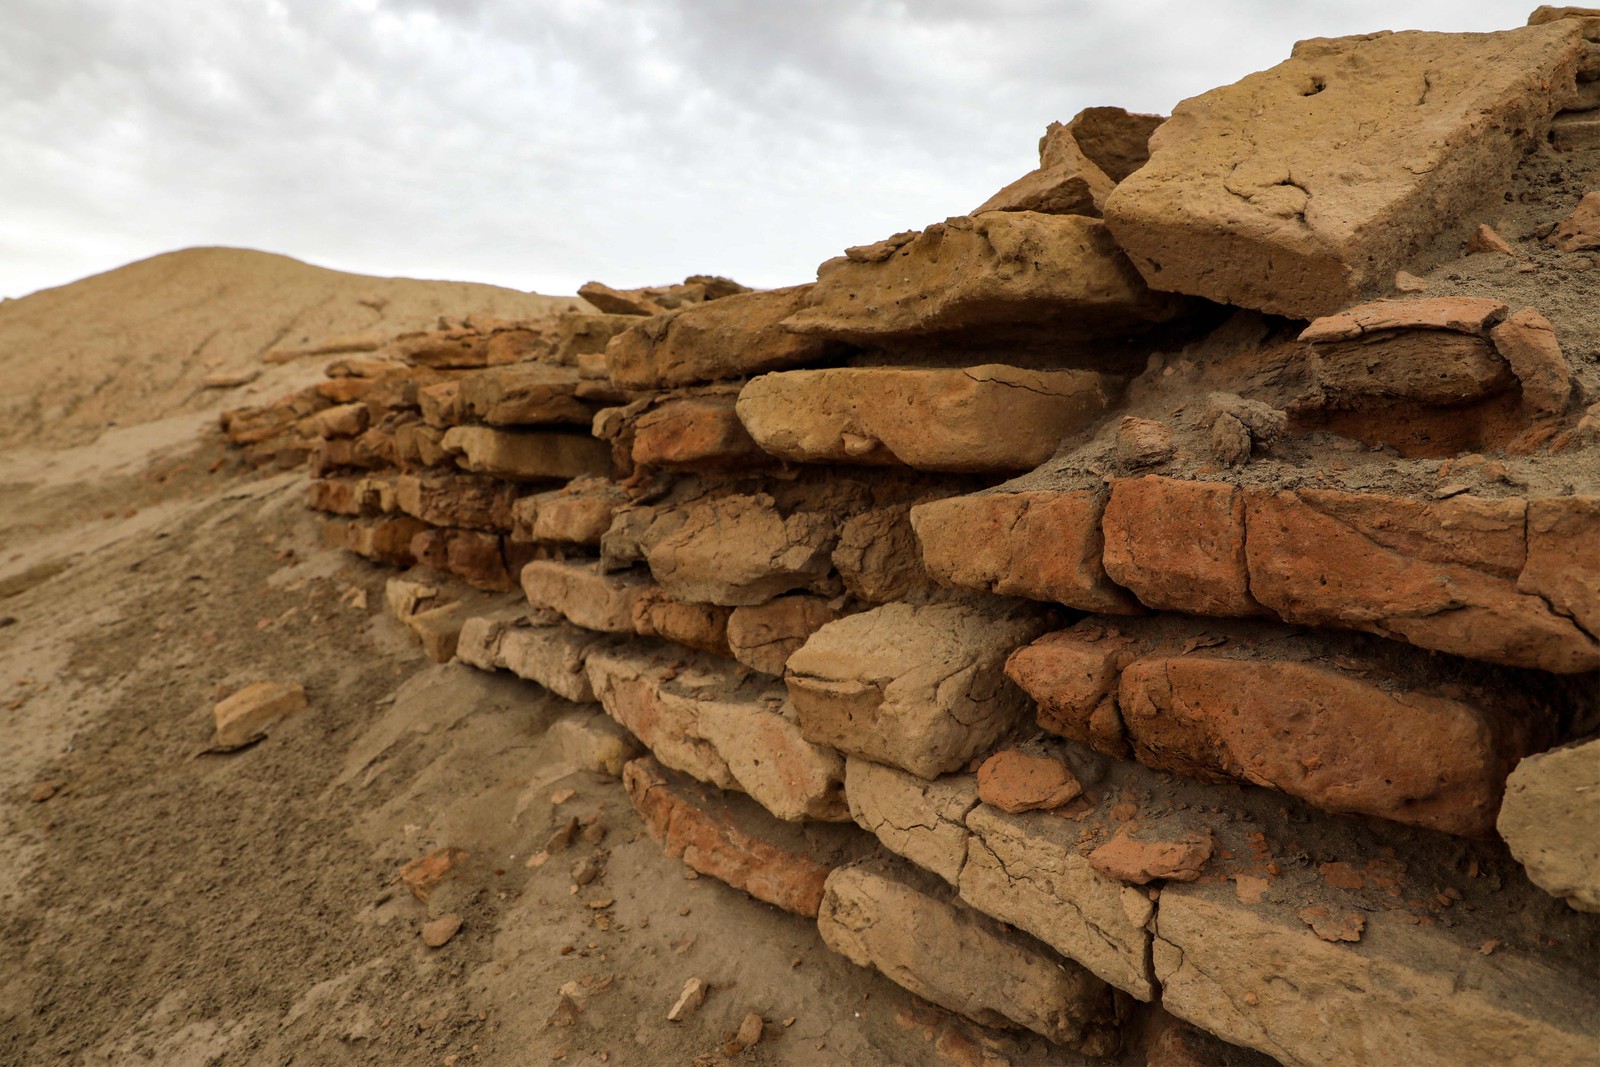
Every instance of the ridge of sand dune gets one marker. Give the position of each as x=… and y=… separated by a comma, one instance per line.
x=132, y=345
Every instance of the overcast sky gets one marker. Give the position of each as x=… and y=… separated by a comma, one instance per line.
x=542, y=143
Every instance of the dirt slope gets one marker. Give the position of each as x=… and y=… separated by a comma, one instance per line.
x=132, y=345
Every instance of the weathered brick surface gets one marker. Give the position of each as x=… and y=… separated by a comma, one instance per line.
x=921, y=820
x=1179, y=546
x=932, y=419
x=584, y=593
x=531, y=456
x=921, y=688
x=989, y=271
x=893, y=918
x=1404, y=994
x=696, y=432
x=1552, y=806
x=699, y=716
x=1348, y=735
x=1242, y=201
x=1026, y=870
x=764, y=636
x=1040, y=545
x=728, y=338
x=738, y=843
x=1441, y=574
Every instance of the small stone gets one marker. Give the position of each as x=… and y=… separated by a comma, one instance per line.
x=693, y=995
x=561, y=796
x=1015, y=781
x=423, y=873
x=1486, y=239
x=586, y=870
x=562, y=836
x=1407, y=282
x=42, y=792
x=1141, y=862
x=750, y=1030
x=246, y=716
x=437, y=934
x=1144, y=442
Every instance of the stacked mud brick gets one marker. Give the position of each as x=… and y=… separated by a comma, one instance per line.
x=1101, y=608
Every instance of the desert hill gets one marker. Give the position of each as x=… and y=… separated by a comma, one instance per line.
x=136, y=343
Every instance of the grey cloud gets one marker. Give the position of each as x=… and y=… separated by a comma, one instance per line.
x=538, y=145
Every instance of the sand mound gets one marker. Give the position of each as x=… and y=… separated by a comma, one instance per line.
x=134, y=344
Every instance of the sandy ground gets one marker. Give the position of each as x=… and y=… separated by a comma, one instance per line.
x=159, y=907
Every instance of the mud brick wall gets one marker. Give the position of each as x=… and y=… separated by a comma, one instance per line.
x=1171, y=592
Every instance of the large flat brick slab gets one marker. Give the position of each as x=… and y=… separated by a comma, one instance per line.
x=917, y=687
x=1244, y=200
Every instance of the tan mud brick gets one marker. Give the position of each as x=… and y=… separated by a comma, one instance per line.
x=921, y=820
x=638, y=688
x=773, y=762
x=1258, y=977
x=916, y=687
x=476, y=557
x=1551, y=810
x=341, y=496
x=1471, y=315
x=1041, y=545
x=619, y=301
x=764, y=636
x=1563, y=565
x=936, y=419
x=1026, y=870
x=527, y=456
x=440, y=404
x=1439, y=574
x=997, y=270
x=438, y=629
x=1073, y=676
x=895, y=919
x=346, y=420
x=523, y=394
x=469, y=501
x=704, y=717
x=1528, y=342
x=1242, y=202
x=581, y=333
x=593, y=741
x=1579, y=231
x=699, y=626
x=878, y=557
x=418, y=445
x=252, y=711
x=555, y=656
x=736, y=549
x=579, y=513
x=1335, y=740
x=585, y=594
x=728, y=338
x=731, y=839
x=699, y=432
x=1179, y=545
x=385, y=540
x=1427, y=366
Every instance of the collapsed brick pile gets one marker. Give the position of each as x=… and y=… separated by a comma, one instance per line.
x=1098, y=600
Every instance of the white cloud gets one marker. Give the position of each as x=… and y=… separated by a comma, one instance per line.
x=541, y=144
